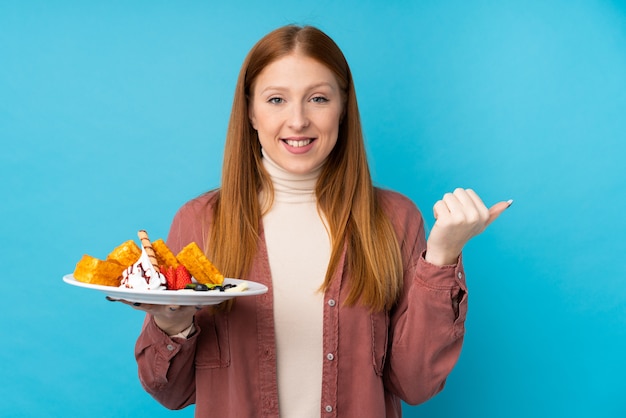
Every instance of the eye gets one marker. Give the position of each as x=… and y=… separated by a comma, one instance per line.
x=275, y=100
x=319, y=99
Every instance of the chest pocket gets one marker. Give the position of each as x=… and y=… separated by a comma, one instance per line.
x=213, y=349
x=380, y=337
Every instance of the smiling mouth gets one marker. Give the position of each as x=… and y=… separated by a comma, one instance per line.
x=297, y=143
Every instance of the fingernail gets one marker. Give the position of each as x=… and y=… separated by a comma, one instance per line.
x=136, y=304
x=510, y=202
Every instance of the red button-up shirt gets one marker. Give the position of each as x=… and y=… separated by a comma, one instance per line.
x=372, y=360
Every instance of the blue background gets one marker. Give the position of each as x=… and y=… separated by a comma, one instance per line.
x=113, y=114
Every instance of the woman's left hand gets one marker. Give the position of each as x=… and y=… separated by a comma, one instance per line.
x=460, y=216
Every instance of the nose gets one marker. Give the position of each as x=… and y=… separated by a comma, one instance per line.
x=298, y=119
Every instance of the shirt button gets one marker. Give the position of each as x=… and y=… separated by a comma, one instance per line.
x=170, y=347
x=329, y=408
x=460, y=275
x=330, y=356
x=331, y=302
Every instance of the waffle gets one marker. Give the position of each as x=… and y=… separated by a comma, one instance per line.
x=125, y=254
x=165, y=257
x=198, y=265
x=95, y=271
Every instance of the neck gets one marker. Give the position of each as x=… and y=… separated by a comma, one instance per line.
x=290, y=187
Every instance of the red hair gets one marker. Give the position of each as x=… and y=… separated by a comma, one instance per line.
x=345, y=193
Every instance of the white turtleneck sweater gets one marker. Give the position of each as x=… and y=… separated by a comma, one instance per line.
x=298, y=247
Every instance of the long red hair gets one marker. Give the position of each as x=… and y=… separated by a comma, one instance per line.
x=345, y=193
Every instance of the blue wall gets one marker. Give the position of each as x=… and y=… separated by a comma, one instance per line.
x=112, y=114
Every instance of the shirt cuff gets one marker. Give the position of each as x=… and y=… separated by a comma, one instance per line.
x=184, y=334
x=442, y=277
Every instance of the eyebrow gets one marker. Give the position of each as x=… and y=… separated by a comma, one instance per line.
x=311, y=87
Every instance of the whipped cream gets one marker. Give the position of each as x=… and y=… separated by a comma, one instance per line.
x=143, y=275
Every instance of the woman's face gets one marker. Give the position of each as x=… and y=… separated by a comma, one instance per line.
x=296, y=107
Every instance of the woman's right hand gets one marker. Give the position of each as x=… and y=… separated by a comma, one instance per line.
x=172, y=319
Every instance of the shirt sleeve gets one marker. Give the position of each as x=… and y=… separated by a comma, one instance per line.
x=427, y=325
x=166, y=365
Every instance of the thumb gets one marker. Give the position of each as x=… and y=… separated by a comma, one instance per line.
x=438, y=208
x=497, y=209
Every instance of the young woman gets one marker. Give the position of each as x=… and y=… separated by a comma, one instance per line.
x=362, y=312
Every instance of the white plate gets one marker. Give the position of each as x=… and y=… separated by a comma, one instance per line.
x=172, y=297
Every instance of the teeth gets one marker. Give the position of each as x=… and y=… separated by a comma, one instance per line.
x=299, y=143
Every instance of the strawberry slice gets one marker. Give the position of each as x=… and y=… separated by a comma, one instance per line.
x=183, y=277
x=170, y=277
